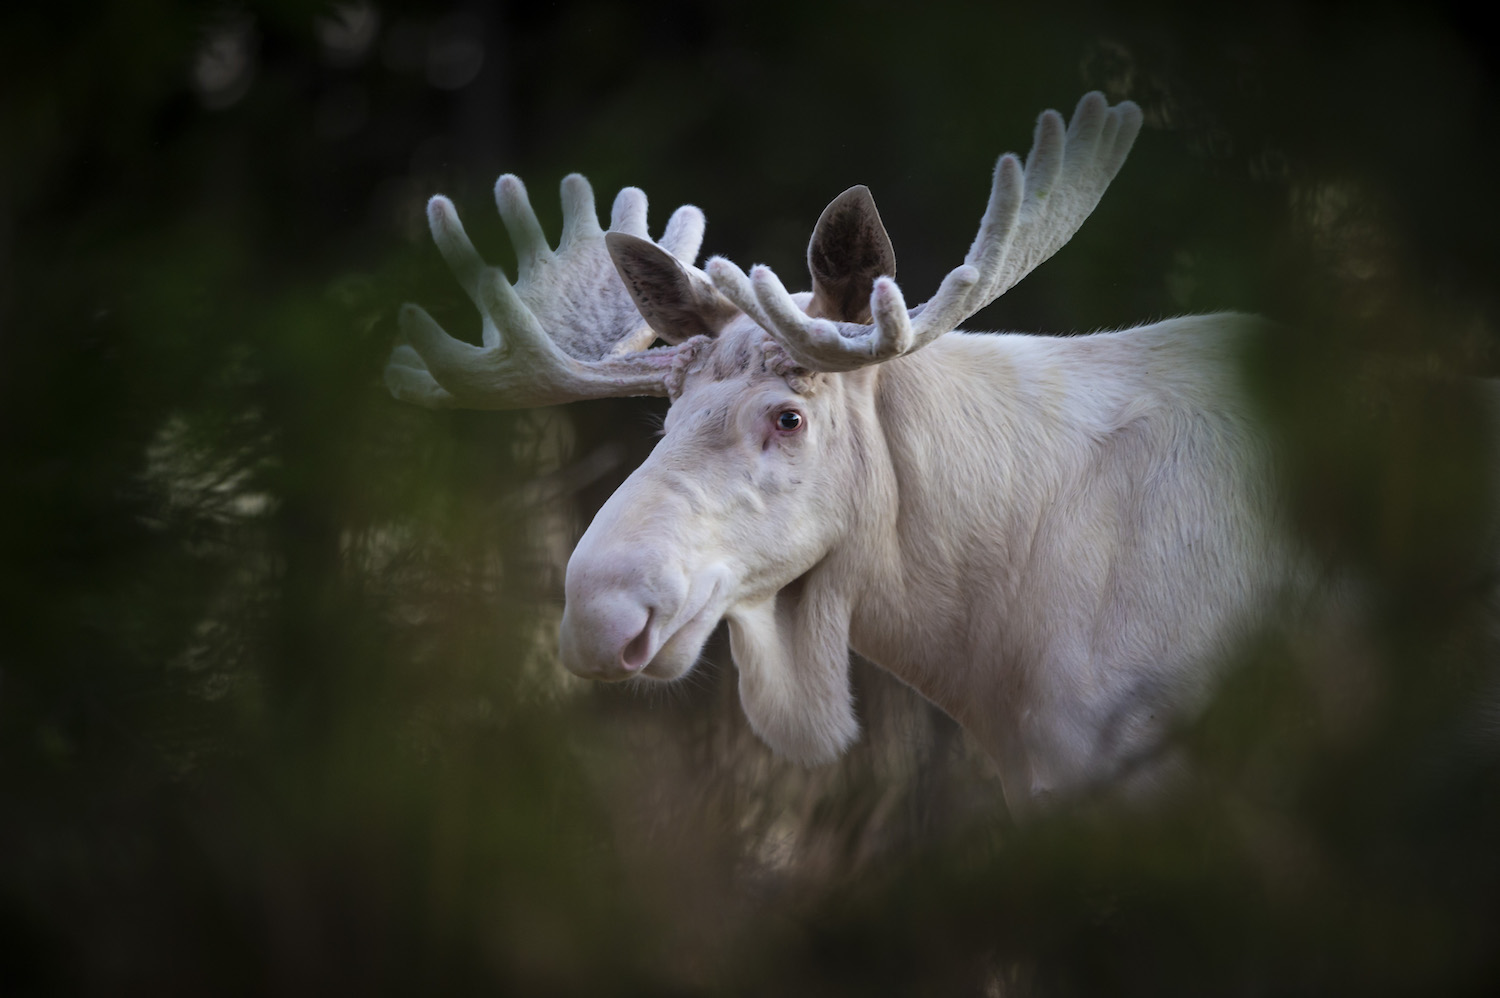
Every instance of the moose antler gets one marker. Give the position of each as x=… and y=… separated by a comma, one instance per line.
x=566, y=330
x=1031, y=214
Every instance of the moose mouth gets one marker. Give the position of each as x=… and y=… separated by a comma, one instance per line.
x=670, y=652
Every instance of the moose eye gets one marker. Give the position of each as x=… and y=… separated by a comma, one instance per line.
x=789, y=420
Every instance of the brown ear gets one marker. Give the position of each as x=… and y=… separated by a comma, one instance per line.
x=848, y=250
x=676, y=302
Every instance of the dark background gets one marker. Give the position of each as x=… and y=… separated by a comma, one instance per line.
x=279, y=710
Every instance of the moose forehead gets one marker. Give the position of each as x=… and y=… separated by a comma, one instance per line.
x=744, y=353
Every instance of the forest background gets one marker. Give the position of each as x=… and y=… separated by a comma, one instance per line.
x=279, y=703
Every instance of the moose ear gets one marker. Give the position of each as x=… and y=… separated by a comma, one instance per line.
x=677, y=302
x=848, y=250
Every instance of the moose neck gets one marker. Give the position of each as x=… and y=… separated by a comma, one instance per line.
x=977, y=438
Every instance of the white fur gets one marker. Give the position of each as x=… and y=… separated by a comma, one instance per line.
x=1056, y=540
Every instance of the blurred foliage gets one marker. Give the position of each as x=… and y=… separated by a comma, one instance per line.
x=278, y=704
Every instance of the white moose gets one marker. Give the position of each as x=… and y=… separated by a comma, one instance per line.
x=1054, y=539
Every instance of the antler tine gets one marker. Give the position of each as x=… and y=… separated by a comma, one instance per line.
x=566, y=330
x=826, y=345
x=1066, y=174
x=1032, y=211
x=732, y=283
x=526, y=235
x=683, y=236
x=407, y=379
x=763, y=297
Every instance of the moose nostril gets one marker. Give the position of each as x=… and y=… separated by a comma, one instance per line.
x=636, y=653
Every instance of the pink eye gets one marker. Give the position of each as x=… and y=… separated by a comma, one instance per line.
x=789, y=420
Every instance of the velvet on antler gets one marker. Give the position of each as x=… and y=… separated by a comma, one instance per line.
x=1033, y=210
x=567, y=329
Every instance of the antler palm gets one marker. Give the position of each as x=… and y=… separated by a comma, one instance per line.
x=560, y=328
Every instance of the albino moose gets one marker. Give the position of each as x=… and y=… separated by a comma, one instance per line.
x=1055, y=539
